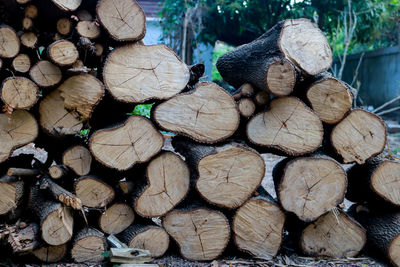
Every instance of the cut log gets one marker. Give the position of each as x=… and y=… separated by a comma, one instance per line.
x=89, y=246
x=152, y=238
x=27, y=24
x=310, y=186
x=124, y=20
x=79, y=159
x=246, y=90
x=63, y=52
x=201, y=234
x=23, y=237
x=16, y=131
x=64, y=26
x=128, y=66
x=359, y=136
x=289, y=126
x=116, y=218
x=60, y=194
x=29, y=39
x=10, y=42
x=330, y=98
x=376, y=179
x=168, y=183
x=83, y=14
x=51, y=254
x=45, y=74
x=56, y=220
x=93, y=192
x=31, y=12
x=207, y=114
x=258, y=226
x=67, y=5
x=21, y=63
x=333, y=235
x=57, y=171
x=22, y=172
x=246, y=107
x=88, y=29
x=262, y=98
x=19, y=92
x=11, y=192
x=121, y=147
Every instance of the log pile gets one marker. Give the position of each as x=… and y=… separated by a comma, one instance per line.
x=69, y=68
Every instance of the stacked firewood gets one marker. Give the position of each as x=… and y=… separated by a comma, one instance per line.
x=72, y=70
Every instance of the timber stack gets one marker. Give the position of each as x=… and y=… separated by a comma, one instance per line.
x=70, y=71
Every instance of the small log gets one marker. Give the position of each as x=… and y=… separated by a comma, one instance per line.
x=45, y=74
x=207, y=114
x=123, y=146
x=63, y=52
x=88, y=29
x=288, y=125
x=29, y=40
x=258, y=226
x=67, y=5
x=93, y=192
x=60, y=194
x=83, y=14
x=23, y=237
x=262, y=98
x=11, y=192
x=165, y=75
x=374, y=180
x=148, y=237
x=201, y=234
x=64, y=26
x=31, y=12
x=10, y=42
x=246, y=90
x=51, y=254
x=309, y=186
x=333, y=235
x=27, y=24
x=116, y=218
x=359, y=136
x=18, y=130
x=130, y=24
x=56, y=220
x=21, y=63
x=78, y=159
x=22, y=172
x=168, y=183
x=246, y=107
x=89, y=246
x=19, y=92
x=57, y=171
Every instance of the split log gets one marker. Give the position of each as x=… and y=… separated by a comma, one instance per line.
x=128, y=66
x=45, y=74
x=11, y=192
x=19, y=92
x=57, y=171
x=330, y=98
x=309, y=186
x=67, y=5
x=152, y=238
x=64, y=26
x=246, y=107
x=359, y=136
x=264, y=64
x=88, y=29
x=124, y=20
x=29, y=40
x=93, y=192
x=258, y=226
x=121, y=147
x=116, y=218
x=21, y=63
x=18, y=130
x=23, y=237
x=333, y=235
x=374, y=180
x=31, y=12
x=207, y=114
x=10, y=42
x=60, y=194
x=78, y=159
x=63, y=52
x=288, y=125
x=168, y=183
x=89, y=246
x=56, y=220
x=51, y=254
x=201, y=234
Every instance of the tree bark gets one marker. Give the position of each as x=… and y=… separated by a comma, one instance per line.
x=88, y=246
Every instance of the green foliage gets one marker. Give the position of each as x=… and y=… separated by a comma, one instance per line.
x=219, y=49
x=142, y=110
x=85, y=132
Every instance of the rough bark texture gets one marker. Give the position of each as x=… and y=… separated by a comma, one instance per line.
x=60, y=194
x=23, y=237
x=88, y=246
x=19, y=92
x=93, y=192
x=116, y=218
x=11, y=191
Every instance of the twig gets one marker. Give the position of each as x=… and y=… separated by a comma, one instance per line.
x=388, y=111
x=386, y=104
x=357, y=68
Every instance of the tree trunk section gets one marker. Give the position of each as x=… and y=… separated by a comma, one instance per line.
x=88, y=29
x=64, y=26
x=63, y=52
x=29, y=40
x=93, y=192
x=116, y=218
x=11, y=192
x=50, y=254
x=78, y=159
x=45, y=74
x=60, y=194
x=246, y=107
x=23, y=237
x=10, y=42
x=88, y=246
x=21, y=63
x=57, y=171
x=19, y=92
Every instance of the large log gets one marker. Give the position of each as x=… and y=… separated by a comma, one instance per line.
x=201, y=234
x=207, y=114
x=359, y=136
x=124, y=20
x=374, y=180
x=136, y=73
x=78, y=159
x=10, y=42
x=93, y=192
x=288, y=125
x=123, y=146
x=116, y=218
x=88, y=246
x=11, y=192
x=309, y=186
x=19, y=92
x=168, y=184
